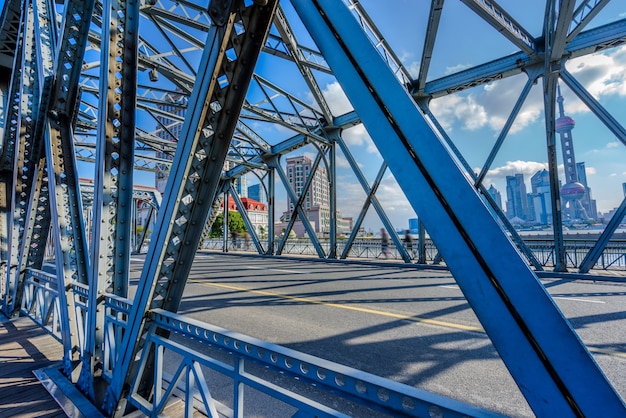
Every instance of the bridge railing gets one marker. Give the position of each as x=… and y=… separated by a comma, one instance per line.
x=117, y=310
x=237, y=364
x=613, y=257
x=40, y=301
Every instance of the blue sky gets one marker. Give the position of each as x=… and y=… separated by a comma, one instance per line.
x=472, y=118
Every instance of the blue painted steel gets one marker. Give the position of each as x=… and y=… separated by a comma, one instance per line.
x=609, y=121
x=593, y=40
x=594, y=254
x=533, y=338
x=372, y=391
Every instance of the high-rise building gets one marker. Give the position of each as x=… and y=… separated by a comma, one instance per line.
x=240, y=184
x=516, y=199
x=589, y=204
x=496, y=196
x=317, y=198
x=540, y=197
x=257, y=192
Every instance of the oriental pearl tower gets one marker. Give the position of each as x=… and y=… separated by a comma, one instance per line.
x=572, y=191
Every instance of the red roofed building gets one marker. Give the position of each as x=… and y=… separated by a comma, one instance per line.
x=256, y=211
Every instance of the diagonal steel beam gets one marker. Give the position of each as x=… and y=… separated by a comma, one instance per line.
x=533, y=338
x=291, y=43
x=515, y=237
x=504, y=23
x=434, y=16
x=583, y=14
x=591, y=258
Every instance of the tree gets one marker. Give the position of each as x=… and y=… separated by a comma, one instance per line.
x=235, y=223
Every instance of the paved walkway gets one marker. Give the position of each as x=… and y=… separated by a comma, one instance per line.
x=25, y=347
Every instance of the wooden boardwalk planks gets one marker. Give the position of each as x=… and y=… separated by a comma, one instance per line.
x=24, y=347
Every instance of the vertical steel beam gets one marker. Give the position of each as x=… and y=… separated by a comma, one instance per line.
x=113, y=182
x=551, y=68
x=226, y=219
x=421, y=243
x=217, y=98
x=19, y=147
x=332, y=188
x=69, y=234
x=271, y=203
x=533, y=338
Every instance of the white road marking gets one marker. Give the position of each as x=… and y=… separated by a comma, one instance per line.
x=450, y=286
x=579, y=299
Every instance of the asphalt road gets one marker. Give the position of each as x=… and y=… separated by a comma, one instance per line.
x=412, y=326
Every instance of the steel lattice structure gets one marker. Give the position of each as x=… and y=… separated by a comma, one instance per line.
x=88, y=81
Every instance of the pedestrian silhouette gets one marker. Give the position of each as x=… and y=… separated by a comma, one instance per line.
x=384, y=243
x=408, y=243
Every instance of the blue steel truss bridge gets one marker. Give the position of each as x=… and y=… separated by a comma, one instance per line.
x=199, y=96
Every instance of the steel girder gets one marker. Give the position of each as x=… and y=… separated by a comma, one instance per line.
x=507, y=297
x=113, y=202
x=219, y=94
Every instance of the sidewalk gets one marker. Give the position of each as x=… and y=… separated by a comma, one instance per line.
x=25, y=347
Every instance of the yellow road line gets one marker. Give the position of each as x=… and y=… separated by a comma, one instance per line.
x=342, y=306
x=605, y=351
x=376, y=312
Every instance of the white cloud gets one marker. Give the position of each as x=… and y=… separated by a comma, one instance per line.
x=456, y=68
x=489, y=106
x=601, y=74
x=337, y=99
x=511, y=168
x=342, y=162
x=613, y=144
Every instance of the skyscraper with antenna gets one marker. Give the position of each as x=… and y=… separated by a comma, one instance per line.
x=573, y=191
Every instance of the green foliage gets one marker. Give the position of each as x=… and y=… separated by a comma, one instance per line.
x=235, y=223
